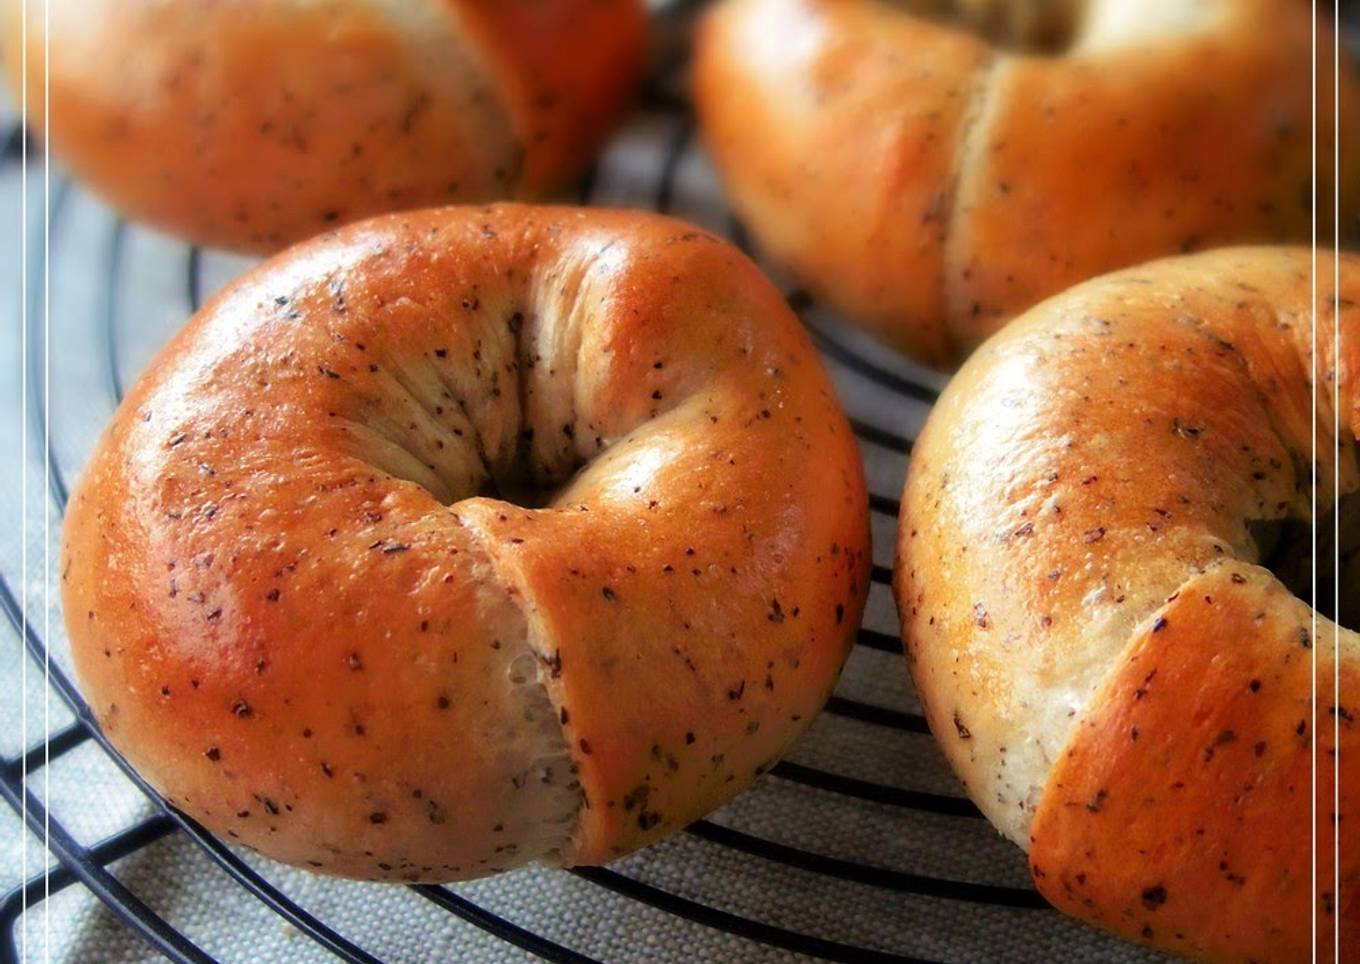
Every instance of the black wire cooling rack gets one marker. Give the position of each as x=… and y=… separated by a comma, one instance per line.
x=887, y=399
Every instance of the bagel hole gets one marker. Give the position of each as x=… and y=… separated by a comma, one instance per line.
x=1285, y=547
x=522, y=487
x=1022, y=26
x=426, y=428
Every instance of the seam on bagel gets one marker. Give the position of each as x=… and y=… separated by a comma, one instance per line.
x=551, y=296
x=1205, y=772
x=534, y=85
x=548, y=668
x=478, y=58
x=971, y=143
x=554, y=800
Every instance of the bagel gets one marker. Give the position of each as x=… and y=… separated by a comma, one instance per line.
x=930, y=182
x=464, y=538
x=1084, y=576
x=257, y=123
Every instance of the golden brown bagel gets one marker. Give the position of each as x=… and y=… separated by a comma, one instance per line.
x=251, y=124
x=302, y=599
x=931, y=184
x=1120, y=683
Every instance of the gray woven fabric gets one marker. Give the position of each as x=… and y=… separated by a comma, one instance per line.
x=116, y=294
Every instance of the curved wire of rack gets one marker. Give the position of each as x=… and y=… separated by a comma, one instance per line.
x=89, y=866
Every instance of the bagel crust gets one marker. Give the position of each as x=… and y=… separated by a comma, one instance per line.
x=468, y=537
x=931, y=184
x=1123, y=687
x=251, y=124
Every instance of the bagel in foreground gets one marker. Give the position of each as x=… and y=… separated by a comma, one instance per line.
x=252, y=124
x=1084, y=576
x=931, y=183
x=470, y=537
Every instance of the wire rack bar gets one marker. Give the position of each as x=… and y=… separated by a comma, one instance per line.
x=881, y=437
x=684, y=132
x=193, y=278
x=875, y=792
x=884, y=505
x=884, y=643
x=479, y=916
x=44, y=885
x=113, y=262
x=878, y=715
x=830, y=347
x=37, y=370
x=12, y=148
x=41, y=754
x=866, y=874
x=80, y=863
x=739, y=926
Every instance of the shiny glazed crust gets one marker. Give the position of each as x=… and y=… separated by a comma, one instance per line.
x=257, y=123
x=290, y=585
x=1122, y=688
x=932, y=185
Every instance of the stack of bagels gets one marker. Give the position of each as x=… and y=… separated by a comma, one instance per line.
x=450, y=539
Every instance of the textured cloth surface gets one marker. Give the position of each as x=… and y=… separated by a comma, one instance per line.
x=117, y=291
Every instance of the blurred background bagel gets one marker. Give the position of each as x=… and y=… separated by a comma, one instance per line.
x=255, y=123
x=931, y=169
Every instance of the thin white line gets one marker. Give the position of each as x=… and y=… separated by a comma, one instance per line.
x=47, y=480
x=1313, y=471
x=1336, y=476
x=23, y=466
